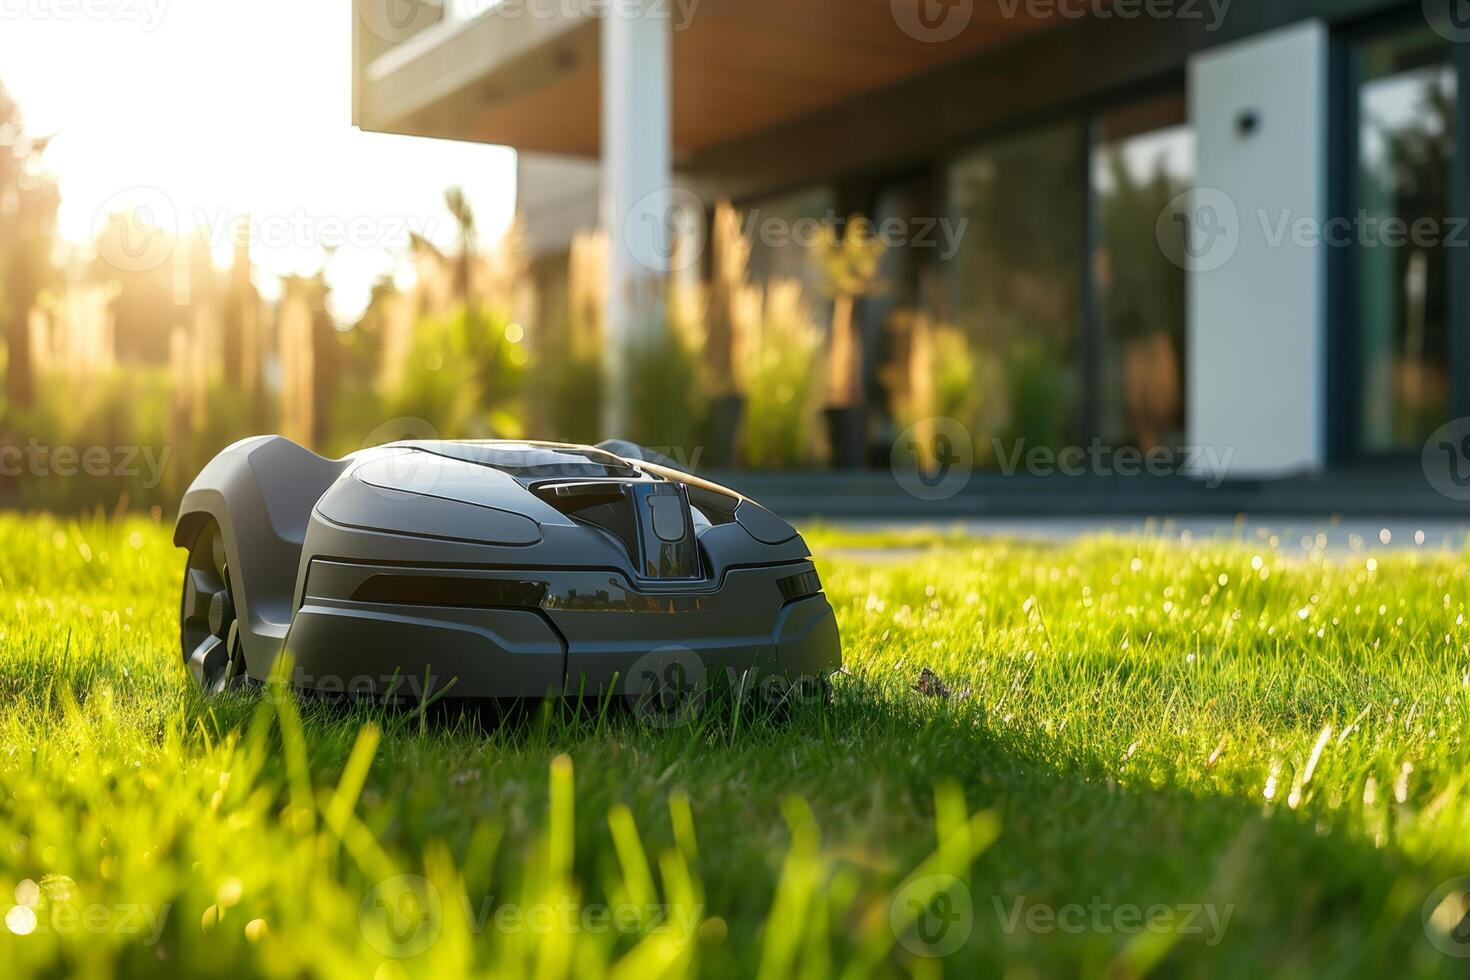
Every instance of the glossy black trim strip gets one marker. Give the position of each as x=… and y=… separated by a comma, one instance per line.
x=440, y=590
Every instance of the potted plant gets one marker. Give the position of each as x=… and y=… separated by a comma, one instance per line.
x=727, y=330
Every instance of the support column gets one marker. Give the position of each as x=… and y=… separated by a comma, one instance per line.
x=636, y=193
x=1257, y=291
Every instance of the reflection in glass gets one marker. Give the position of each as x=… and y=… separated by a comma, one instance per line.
x=1143, y=159
x=1011, y=289
x=1406, y=107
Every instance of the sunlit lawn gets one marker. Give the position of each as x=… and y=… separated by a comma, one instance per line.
x=1195, y=759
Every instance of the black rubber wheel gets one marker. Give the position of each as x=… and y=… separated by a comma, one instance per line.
x=208, y=630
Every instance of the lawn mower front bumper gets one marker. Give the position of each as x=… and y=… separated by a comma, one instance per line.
x=375, y=630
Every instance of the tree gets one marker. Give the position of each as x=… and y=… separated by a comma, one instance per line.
x=28, y=203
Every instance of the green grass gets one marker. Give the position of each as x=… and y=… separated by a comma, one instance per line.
x=1277, y=739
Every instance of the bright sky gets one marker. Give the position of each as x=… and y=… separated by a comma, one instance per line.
x=236, y=105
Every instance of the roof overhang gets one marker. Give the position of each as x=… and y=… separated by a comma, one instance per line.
x=740, y=67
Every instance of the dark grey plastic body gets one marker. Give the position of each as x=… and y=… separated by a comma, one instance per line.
x=513, y=570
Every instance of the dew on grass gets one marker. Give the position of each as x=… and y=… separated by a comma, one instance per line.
x=1401, y=784
x=58, y=888
x=21, y=920
x=27, y=893
x=229, y=892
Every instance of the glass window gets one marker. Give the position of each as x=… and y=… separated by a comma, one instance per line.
x=1012, y=286
x=1405, y=102
x=1143, y=158
x=783, y=231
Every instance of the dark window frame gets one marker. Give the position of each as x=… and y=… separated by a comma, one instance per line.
x=1343, y=354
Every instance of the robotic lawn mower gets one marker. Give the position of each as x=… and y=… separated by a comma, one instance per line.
x=492, y=570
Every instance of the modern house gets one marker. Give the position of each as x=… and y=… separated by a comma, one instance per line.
x=1231, y=231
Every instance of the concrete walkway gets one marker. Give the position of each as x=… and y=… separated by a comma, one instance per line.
x=1338, y=537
